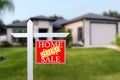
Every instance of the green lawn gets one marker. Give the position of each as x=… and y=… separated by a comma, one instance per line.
x=81, y=64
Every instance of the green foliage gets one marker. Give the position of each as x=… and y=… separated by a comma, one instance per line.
x=68, y=38
x=117, y=40
x=16, y=21
x=112, y=14
x=81, y=64
x=60, y=31
x=5, y=44
x=6, y=5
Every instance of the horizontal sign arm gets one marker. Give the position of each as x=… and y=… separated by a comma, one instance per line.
x=19, y=35
x=50, y=34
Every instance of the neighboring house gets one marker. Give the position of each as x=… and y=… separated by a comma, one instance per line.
x=93, y=30
x=41, y=24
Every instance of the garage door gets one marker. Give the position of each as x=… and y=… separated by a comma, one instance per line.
x=102, y=34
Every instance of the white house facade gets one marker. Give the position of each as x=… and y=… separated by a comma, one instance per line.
x=93, y=30
x=87, y=30
x=41, y=24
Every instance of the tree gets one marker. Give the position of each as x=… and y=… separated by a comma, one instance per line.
x=56, y=17
x=112, y=14
x=6, y=5
x=15, y=21
x=2, y=29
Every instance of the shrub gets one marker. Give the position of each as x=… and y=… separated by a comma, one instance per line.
x=117, y=42
x=5, y=44
x=68, y=38
x=2, y=58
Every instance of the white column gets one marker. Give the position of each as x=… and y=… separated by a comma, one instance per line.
x=9, y=36
x=50, y=30
x=119, y=28
x=86, y=33
x=30, y=50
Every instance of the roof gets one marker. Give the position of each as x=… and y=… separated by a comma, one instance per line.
x=59, y=22
x=20, y=24
x=42, y=18
x=92, y=16
x=23, y=24
x=2, y=26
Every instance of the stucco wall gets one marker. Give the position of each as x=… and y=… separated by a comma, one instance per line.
x=74, y=28
x=86, y=30
x=43, y=24
x=119, y=27
x=9, y=36
x=86, y=33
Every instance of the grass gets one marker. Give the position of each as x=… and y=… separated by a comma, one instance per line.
x=81, y=64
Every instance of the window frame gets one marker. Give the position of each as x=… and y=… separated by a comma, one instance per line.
x=80, y=33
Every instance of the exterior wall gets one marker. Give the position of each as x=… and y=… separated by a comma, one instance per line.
x=119, y=28
x=43, y=24
x=86, y=33
x=3, y=38
x=9, y=36
x=74, y=28
x=86, y=24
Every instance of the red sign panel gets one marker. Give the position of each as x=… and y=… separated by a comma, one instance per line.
x=50, y=52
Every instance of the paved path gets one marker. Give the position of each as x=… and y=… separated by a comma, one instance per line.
x=111, y=46
x=106, y=46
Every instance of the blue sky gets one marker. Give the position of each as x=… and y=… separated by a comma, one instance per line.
x=66, y=8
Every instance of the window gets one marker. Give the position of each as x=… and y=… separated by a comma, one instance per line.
x=80, y=33
x=19, y=30
x=22, y=41
x=42, y=30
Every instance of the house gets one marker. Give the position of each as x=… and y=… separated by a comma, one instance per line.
x=41, y=24
x=93, y=29
x=87, y=30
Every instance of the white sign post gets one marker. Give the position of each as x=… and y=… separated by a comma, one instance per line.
x=30, y=34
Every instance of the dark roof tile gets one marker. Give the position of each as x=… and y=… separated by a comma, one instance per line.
x=59, y=22
x=93, y=16
x=42, y=18
x=18, y=24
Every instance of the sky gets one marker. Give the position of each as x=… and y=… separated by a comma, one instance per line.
x=68, y=9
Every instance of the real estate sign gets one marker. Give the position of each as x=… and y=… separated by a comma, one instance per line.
x=50, y=52
x=45, y=49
